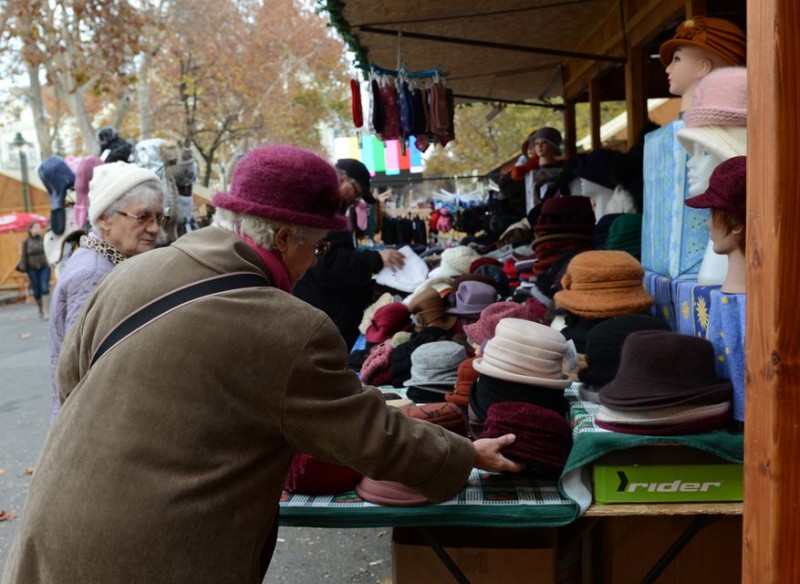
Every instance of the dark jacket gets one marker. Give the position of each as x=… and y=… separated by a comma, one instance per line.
x=341, y=284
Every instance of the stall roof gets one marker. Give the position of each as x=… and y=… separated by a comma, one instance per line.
x=514, y=50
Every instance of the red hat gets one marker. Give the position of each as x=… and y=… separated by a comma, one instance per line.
x=483, y=261
x=285, y=184
x=309, y=475
x=467, y=376
x=726, y=189
x=388, y=320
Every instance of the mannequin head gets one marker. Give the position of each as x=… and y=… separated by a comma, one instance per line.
x=700, y=45
x=544, y=143
x=701, y=164
x=727, y=233
x=599, y=195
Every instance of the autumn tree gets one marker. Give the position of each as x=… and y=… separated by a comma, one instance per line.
x=245, y=72
x=81, y=50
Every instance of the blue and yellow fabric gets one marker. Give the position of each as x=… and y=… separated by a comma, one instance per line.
x=726, y=330
x=674, y=236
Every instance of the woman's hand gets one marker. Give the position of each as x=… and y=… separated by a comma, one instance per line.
x=488, y=455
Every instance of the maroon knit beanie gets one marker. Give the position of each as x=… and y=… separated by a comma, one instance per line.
x=309, y=475
x=285, y=184
x=388, y=320
x=542, y=436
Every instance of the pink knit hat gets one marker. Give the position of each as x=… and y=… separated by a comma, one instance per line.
x=286, y=184
x=83, y=176
x=720, y=99
x=483, y=330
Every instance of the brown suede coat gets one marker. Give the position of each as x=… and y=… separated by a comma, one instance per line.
x=167, y=460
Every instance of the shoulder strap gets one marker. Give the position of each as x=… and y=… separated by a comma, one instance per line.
x=173, y=300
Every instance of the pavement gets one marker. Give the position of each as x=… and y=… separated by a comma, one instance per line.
x=302, y=556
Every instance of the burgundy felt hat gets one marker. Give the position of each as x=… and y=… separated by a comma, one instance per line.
x=542, y=436
x=388, y=320
x=661, y=369
x=726, y=189
x=285, y=184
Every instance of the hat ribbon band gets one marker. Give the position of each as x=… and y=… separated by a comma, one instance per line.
x=605, y=285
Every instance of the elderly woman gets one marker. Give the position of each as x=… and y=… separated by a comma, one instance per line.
x=125, y=210
x=181, y=434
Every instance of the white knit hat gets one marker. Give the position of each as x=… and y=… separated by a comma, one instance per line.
x=455, y=262
x=723, y=141
x=113, y=181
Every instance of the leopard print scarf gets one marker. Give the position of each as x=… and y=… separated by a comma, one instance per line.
x=106, y=250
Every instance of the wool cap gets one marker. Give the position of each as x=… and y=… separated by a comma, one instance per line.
x=546, y=133
x=722, y=141
x=356, y=170
x=455, y=262
x=110, y=182
x=388, y=320
x=285, y=184
x=625, y=234
x=472, y=297
x=389, y=493
x=467, y=376
x=603, y=284
x=483, y=330
x=525, y=352
x=720, y=99
x=436, y=365
x=604, y=345
x=598, y=166
x=726, y=189
x=376, y=367
x=566, y=214
x=543, y=437
x=366, y=319
x=715, y=35
x=310, y=475
x=428, y=310
x=661, y=369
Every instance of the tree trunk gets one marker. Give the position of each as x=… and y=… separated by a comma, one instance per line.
x=123, y=108
x=37, y=106
x=143, y=90
x=78, y=109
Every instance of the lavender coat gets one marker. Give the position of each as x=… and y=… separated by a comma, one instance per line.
x=82, y=274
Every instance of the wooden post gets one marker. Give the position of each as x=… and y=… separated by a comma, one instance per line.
x=635, y=98
x=771, y=541
x=570, y=128
x=695, y=8
x=594, y=113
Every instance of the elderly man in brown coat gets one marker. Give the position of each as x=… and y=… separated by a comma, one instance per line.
x=167, y=459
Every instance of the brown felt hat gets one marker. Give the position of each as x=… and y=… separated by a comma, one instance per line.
x=603, y=284
x=715, y=35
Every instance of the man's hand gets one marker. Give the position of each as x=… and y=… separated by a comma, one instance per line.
x=392, y=259
x=488, y=455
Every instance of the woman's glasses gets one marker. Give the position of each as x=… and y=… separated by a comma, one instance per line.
x=147, y=217
x=321, y=247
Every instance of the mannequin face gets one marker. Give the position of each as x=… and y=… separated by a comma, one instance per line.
x=701, y=164
x=544, y=150
x=688, y=66
x=725, y=242
x=599, y=195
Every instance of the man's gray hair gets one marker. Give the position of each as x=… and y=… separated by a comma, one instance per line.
x=262, y=231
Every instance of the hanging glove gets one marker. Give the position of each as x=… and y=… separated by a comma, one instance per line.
x=355, y=93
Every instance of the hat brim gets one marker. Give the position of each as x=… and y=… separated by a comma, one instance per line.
x=617, y=395
x=616, y=303
x=482, y=366
x=667, y=50
x=389, y=493
x=724, y=142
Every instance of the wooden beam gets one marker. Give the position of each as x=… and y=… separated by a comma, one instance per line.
x=594, y=113
x=695, y=8
x=570, y=128
x=635, y=97
x=771, y=540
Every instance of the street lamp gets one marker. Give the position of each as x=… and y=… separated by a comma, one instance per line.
x=20, y=143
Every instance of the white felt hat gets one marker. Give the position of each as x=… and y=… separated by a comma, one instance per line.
x=113, y=181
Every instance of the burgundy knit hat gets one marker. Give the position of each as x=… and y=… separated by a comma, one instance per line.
x=542, y=436
x=726, y=189
x=388, y=320
x=286, y=184
x=483, y=261
x=566, y=214
x=309, y=475
x=483, y=330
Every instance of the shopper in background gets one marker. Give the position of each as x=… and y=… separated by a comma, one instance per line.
x=33, y=262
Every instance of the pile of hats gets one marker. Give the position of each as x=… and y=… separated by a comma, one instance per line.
x=428, y=308
x=523, y=362
x=565, y=224
x=665, y=385
x=604, y=349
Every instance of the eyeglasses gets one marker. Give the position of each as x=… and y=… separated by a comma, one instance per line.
x=146, y=218
x=321, y=247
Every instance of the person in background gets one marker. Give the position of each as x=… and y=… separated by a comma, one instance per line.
x=540, y=160
x=341, y=283
x=33, y=262
x=167, y=461
x=126, y=212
